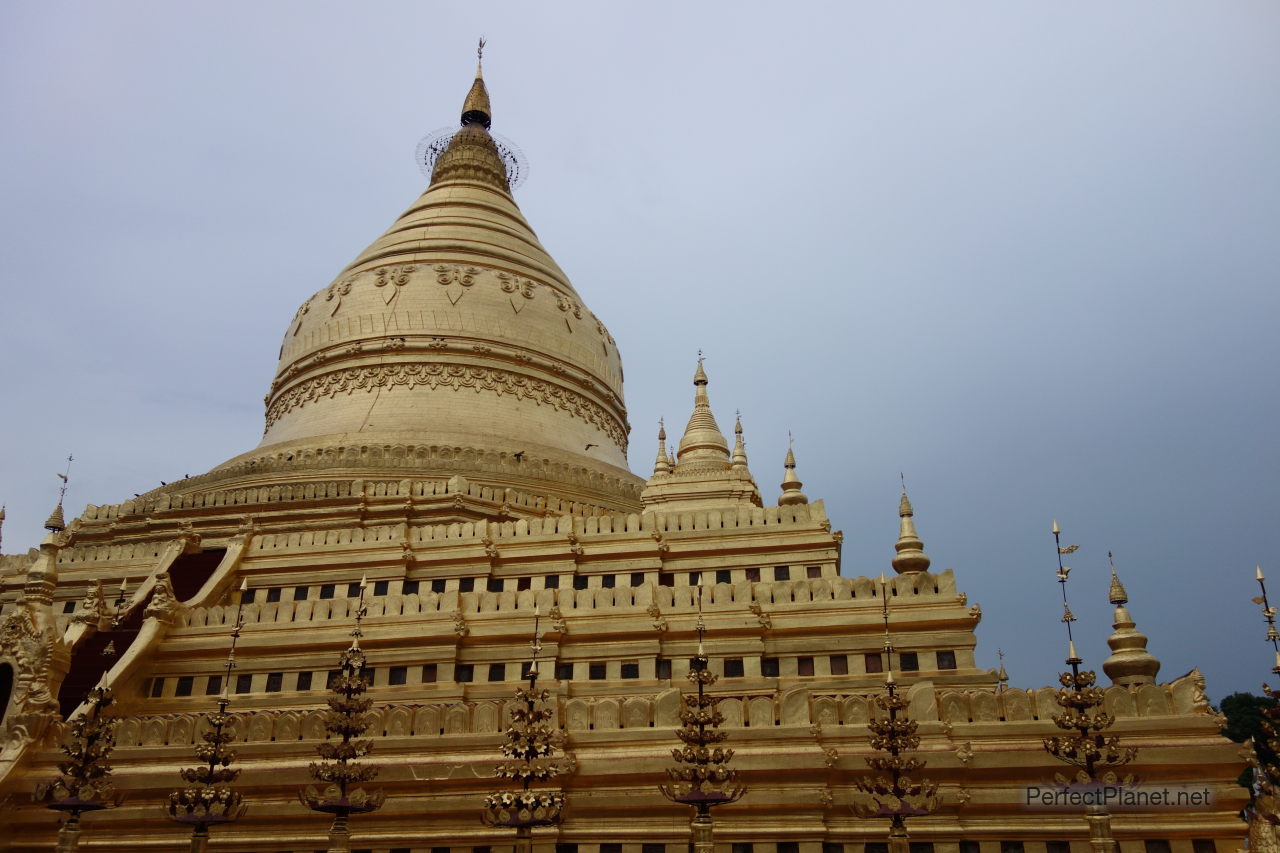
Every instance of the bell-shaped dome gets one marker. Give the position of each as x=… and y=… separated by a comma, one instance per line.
x=456, y=333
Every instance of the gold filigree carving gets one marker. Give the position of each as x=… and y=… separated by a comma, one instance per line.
x=163, y=604
x=455, y=279
x=452, y=376
x=393, y=278
x=31, y=650
x=526, y=287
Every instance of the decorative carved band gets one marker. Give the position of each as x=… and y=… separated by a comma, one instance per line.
x=452, y=376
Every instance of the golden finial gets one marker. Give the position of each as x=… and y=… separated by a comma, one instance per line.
x=1062, y=574
x=476, y=108
x=791, y=484
x=1116, y=593
x=662, y=465
x=909, y=553
x=55, y=523
x=739, y=458
x=1269, y=614
x=1002, y=677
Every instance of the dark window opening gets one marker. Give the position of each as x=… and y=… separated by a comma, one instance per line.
x=695, y=578
x=947, y=660
x=666, y=579
x=275, y=682
x=564, y=672
x=273, y=594
x=463, y=673
x=299, y=593
x=1061, y=847
x=1203, y=845
x=631, y=669
x=493, y=585
x=970, y=847
x=157, y=688
x=782, y=573
x=247, y=596
x=596, y=671
x=663, y=668
x=875, y=847
x=437, y=585
x=190, y=571
x=566, y=848
x=653, y=848
x=304, y=681
x=637, y=578
x=213, y=686
x=1011, y=847
x=741, y=847
x=466, y=584
x=839, y=665
x=244, y=683
x=804, y=666
x=724, y=576
x=353, y=590
x=909, y=662
x=429, y=673
x=381, y=587
x=920, y=847
x=327, y=590
x=409, y=588
x=873, y=662
x=497, y=672
x=609, y=581
x=523, y=584
x=184, y=685
x=813, y=571
x=769, y=667
x=832, y=847
x=733, y=668
x=610, y=848
x=579, y=582
x=753, y=575
x=397, y=675
x=551, y=582
x=70, y=606
x=1157, y=845
x=788, y=847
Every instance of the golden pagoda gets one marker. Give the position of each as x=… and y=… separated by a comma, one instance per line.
x=447, y=419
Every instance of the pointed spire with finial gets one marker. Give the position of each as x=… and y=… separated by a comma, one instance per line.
x=55, y=523
x=910, y=556
x=1002, y=677
x=702, y=444
x=1130, y=662
x=662, y=465
x=739, y=460
x=476, y=109
x=791, y=484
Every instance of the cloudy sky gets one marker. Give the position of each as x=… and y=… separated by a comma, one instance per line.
x=1024, y=253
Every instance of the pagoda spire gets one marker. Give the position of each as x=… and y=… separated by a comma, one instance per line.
x=739, y=460
x=662, y=465
x=702, y=444
x=476, y=108
x=1130, y=662
x=910, y=556
x=791, y=484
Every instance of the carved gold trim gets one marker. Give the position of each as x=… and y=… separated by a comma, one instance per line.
x=452, y=376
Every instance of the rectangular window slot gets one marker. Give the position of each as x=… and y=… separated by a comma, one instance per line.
x=663, y=668
x=497, y=672
x=909, y=662
x=409, y=588
x=304, y=681
x=299, y=593
x=733, y=668
x=213, y=686
x=947, y=660
x=353, y=590
x=564, y=672
x=551, y=582
x=493, y=584
x=273, y=594
x=381, y=587
x=666, y=579
x=782, y=573
x=397, y=675
x=523, y=584
x=463, y=673
x=873, y=662
x=246, y=596
x=157, y=688
x=244, y=683
x=327, y=590
x=631, y=669
x=429, y=673
x=275, y=682
x=724, y=576
x=753, y=575
x=637, y=578
x=813, y=571
x=804, y=666
x=579, y=582
x=769, y=667
x=839, y=665
x=466, y=584
x=437, y=585
x=609, y=581
x=596, y=672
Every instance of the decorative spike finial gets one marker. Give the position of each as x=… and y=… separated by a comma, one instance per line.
x=1130, y=662
x=909, y=553
x=662, y=465
x=702, y=442
x=476, y=108
x=791, y=485
x=739, y=460
x=1002, y=677
x=55, y=523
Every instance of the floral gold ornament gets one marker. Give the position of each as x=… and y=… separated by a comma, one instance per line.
x=894, y=792
x=529, y=753
x=702, y=777
x=1094, y=755
x=208, y=799
x=84, y=783
x=347, y=718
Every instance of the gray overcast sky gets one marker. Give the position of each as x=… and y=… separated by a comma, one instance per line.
x=1025, y=253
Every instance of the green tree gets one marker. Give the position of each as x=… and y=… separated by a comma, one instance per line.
x=1245, y=713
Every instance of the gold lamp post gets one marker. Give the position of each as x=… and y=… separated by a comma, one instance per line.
x=347, y=718
x=896, y=794
x=208, y=799
x=702, y=777
x=1085, y=747
x=528, y=750
x=85, y=781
